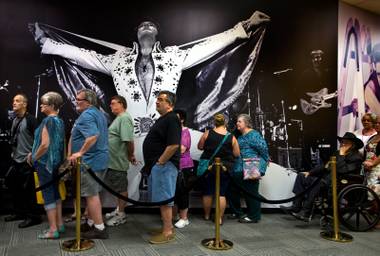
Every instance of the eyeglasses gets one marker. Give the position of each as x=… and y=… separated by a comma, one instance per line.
x=77, y=99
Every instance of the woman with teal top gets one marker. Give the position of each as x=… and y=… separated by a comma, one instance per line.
x=252, y=148
x=47, y=154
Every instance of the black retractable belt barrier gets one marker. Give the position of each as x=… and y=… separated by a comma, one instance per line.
x=55, y=180
x=280, y=201
x=127, y=199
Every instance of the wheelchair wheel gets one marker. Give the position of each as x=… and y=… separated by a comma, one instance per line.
x=358, y=207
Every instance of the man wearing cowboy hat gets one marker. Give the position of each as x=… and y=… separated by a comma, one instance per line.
x=348, y=161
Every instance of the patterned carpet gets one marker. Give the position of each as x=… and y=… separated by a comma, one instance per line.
x=277, y=234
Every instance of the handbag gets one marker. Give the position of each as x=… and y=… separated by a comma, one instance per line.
x=65, y=166
x=251, y=169
x=39, y=197
x=204, y=163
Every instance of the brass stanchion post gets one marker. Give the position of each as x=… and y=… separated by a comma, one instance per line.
x=77, y=244
x=216, y=243
x=335, y=235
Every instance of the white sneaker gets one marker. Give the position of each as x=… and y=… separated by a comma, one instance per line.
x=111, y=214
x=118, y=219
x=182, y=223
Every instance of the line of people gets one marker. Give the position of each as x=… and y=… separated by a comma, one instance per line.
x=108, y=152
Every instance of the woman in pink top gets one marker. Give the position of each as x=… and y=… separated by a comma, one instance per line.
x=185, y=174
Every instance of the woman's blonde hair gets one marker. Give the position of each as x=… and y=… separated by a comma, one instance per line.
x=219, y=120
x=371, y=116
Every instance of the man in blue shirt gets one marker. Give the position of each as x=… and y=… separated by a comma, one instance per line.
x=89, y=141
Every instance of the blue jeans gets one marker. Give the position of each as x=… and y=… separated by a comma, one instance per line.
x=162, y=182
x=51, y=193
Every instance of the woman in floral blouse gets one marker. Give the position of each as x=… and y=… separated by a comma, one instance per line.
x=253, y=148
x=372, y=161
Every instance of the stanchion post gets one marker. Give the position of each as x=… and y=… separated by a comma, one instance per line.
x=77, y=205
x=335, y=235
x=77, y=244
x=216, y=243
x=217, y=201
x=335, y=197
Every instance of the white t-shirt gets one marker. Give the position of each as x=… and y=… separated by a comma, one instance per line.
x=364, y=138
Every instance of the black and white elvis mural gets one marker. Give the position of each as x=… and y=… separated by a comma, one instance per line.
x=139, y=72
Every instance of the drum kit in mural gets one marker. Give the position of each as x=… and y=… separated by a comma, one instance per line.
x=285, y=134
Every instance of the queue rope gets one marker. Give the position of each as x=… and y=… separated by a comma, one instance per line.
x=141, y=203
x=129, y=200
x=54, y=180
x=279, y=201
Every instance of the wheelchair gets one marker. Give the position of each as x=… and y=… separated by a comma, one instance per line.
x=358, y=205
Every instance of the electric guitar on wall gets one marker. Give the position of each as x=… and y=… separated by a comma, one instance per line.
x=317, y=101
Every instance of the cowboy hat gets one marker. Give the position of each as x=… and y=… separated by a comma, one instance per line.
x=350, y=136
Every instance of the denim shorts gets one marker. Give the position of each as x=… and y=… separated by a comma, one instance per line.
x=162, y=182
x=51, y=193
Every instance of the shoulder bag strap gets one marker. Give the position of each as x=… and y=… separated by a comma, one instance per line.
x=220, y=145
x=15, y=130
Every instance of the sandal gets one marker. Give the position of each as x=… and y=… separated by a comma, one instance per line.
x=161, y=238
x=61, y=229
x=47, y=234
x=157, y=231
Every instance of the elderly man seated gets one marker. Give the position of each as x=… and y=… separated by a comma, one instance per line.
x=348, y=162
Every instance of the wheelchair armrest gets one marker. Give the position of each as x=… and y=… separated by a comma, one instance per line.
x=349, y=179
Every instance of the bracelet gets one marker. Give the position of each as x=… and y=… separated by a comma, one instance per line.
x=245, y=24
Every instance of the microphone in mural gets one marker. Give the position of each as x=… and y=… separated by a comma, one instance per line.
x=139, y=72
x=4, y=87
x=279, y=72
x=48, y=72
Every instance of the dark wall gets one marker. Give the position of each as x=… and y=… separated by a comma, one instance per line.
x=296, y=28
